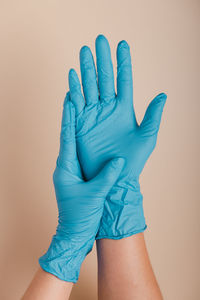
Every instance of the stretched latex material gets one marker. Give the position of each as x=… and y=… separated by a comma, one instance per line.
x=106, y=127
x=80, y=204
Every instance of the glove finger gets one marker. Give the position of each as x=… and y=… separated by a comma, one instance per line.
x=76, y=95
x=104, y=69
x=67, y=136
x=88, y=75
x=124, y=72
x=106, y=178
x=152, y=118
x=124, y=76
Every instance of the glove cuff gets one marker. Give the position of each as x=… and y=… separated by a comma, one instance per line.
x=64, y=257
x=123, y=214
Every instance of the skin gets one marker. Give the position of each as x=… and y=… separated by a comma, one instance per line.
x=46, y=286
x=124, y=270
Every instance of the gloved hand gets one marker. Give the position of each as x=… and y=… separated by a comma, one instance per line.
x=106, y=127
x=80, y=204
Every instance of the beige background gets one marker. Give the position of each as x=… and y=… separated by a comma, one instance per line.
x=39, y=42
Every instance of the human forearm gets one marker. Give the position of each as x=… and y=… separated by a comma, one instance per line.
x=46, y=286
x=124, y=270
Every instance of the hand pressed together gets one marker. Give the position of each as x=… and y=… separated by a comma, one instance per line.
x=102, y=153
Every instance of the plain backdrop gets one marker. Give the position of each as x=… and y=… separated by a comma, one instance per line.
x=39, y=42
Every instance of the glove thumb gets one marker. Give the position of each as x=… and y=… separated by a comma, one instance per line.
x=106, y=178
x=151, y=122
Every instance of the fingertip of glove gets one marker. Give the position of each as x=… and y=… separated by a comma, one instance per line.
x=100, y=37
x=83, y=50
x=118, y=162
x=72, y=72
x=160, y=100
x=123, y=44
x=101, y=40
x=162, y=96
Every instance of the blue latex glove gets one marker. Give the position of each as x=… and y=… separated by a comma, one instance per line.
x=80, y=204
x=106, y=127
